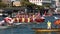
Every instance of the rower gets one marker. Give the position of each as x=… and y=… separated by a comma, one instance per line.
x=28, y=19
x=16, y=20
x=23, y=19
x=34, y=18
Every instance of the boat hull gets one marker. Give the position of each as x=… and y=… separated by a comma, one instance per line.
x=10, y=26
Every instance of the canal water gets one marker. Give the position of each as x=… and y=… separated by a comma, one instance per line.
x=27, y=29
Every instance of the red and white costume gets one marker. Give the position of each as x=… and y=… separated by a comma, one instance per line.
x=8, y=20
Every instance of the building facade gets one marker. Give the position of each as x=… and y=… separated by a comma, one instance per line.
x=58, y=3
x=17, y=0
x=40, y=2
x=0, y=0
x=7, y=2
x=57, y=6
x=16, y=3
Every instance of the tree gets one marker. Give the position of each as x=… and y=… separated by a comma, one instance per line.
x=26, y=3
x=2, y=5
x=47, y=5
x=0, y=0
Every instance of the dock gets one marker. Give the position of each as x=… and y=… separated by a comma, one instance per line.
x=46, y=30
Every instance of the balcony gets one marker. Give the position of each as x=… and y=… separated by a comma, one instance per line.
x=46, y=1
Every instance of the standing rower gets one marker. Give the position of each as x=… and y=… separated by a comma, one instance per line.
x=48, y=25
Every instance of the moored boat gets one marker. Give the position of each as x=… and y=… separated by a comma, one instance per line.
x=10, y=26
x=4, y=27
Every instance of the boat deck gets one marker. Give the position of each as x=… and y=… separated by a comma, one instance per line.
x=46, y=30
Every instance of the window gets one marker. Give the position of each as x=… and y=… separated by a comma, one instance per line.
x=59, y=0
x=0, y=0
x=17, y=0
x=40, y=0
x=32, y=0
x=46, y=0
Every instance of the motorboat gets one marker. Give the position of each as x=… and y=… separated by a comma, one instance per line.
x=10, y=26
x=4, y=27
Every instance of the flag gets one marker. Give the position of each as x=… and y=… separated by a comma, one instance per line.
x=38, y=15
x=44, y=13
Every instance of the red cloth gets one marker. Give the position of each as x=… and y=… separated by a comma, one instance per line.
x=7, y=19
x=31, y=20
x=39, y=20
x=20, y=19
x=26, y=20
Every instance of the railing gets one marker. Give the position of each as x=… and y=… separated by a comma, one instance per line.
x=46, y=1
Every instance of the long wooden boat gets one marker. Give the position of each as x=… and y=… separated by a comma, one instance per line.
x=46, y=30
x=17, y=24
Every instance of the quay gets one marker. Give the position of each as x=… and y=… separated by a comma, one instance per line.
x=46, y=30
